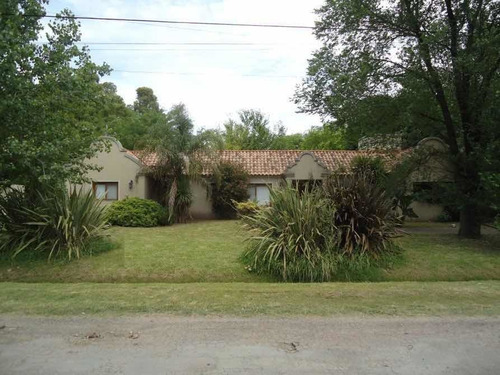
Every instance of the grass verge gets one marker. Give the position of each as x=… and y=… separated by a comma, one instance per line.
x=209, y=251
x=250, y=299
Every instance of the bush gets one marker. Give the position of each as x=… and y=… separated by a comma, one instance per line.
x=247, y=208
x=364, y=216
x=136, y=212
x=54, y=222
x=293, y=238
x=230, y=184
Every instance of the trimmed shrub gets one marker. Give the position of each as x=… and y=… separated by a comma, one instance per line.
x=247, y=208
x=54, y=222
x=230, y=185
x=364, y=217
x=136, y=212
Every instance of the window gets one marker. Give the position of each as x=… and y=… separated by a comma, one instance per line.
x=259, y=193
x=301, y=185
x=106, y=190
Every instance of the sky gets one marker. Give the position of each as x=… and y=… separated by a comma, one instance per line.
x=254, y=68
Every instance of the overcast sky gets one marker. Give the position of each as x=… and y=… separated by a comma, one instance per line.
x=259, y=69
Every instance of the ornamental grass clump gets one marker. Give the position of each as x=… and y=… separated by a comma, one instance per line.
x=55, y=222
x=293, y=238
x=364, y=215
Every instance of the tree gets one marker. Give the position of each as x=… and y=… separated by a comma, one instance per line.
x=324, y=138
x=230, y=185
x=50, y=93
x=251, y=132
x=179, y=159
x=146, y=101
x=450, y=47
x=129, y=125
x=288, y=142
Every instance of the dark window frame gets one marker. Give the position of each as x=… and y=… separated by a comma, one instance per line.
x=106, y=183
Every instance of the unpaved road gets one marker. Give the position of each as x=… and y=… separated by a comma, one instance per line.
x=206, y=345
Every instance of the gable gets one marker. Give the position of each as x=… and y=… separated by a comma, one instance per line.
x=306, y=167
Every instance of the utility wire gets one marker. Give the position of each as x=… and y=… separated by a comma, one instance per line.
x=165, y=21
x=201, y=74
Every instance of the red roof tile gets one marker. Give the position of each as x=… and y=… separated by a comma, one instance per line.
x=275, y=162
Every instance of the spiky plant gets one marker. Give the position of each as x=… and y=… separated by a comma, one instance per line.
x=57, y=223
x=364, y=218
x=293, y=238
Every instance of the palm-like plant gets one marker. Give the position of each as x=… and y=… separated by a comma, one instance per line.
x=179, y=159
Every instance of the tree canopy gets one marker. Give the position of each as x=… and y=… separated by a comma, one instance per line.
x=250, y=132
x=442, y=55
x=50, y=93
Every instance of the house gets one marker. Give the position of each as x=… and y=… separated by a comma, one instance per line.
x=123, y=175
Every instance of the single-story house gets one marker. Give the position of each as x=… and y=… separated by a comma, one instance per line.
x=122, y=173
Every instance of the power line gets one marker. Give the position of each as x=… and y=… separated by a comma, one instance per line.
x=183, y=49
x=201, y=74
x=166, y=21
x=175, y=43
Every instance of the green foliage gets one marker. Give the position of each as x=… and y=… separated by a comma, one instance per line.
x=364, y=217
x=444, y=80
x=183, y=200
x=230, y=185
x=324, y=138
x=136, y=212
x=288, y=142
x=180, y=159
x=293, y=239
x=342, y=231
x=370, y=167
x=130, y=125
x=146, y=101
x=247, y=208
x=50, y=96
x=56, y=223
x=250, y=132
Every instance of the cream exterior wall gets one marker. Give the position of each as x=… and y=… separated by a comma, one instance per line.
x=436, y=168
x=201, y=208
x=306, y=168
x=119, y=166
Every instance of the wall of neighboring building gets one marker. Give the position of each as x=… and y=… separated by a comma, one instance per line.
x=119, y=166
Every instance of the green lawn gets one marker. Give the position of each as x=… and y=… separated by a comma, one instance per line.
x=208, y=252
x=246, y=299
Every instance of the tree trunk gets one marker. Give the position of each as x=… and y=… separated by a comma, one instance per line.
x=171, y=198
x=470, y=224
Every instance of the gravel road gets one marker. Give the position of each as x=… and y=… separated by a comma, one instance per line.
x=220, y=345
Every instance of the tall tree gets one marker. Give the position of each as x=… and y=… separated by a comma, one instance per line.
x=49, y=93
x=178, y=159
x=131, y=125
x=325, y=137
x=146, y=101
x=250, y=132
x=451, y=47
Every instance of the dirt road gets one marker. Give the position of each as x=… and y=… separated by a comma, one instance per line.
x=204, y=345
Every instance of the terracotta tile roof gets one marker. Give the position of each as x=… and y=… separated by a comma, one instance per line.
x=275, y=162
